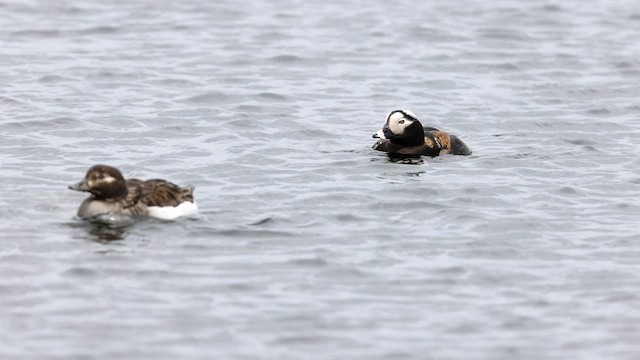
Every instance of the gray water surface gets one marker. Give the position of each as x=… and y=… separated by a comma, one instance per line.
x=310, y=244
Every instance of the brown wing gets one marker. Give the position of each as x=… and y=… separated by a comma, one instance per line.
x=134, y=193
x=443, y=141
x=432, y=143
x=448, y=144
x=159, y=192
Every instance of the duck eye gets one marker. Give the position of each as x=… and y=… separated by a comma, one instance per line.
x=401, y=121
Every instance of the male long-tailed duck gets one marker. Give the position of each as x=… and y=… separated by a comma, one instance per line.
x=112, y=194
x=404, y=135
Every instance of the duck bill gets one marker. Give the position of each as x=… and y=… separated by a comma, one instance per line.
x=379, y=135
x=79, y=186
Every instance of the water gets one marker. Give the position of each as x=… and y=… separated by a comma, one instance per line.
x=311, y=245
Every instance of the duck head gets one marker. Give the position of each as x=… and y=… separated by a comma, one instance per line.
x=403, y=128
x=103, y=182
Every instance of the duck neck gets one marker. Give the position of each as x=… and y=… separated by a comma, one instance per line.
x=114, y=191
x=413, y=136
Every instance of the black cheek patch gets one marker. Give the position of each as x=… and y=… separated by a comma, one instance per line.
x=388, y=134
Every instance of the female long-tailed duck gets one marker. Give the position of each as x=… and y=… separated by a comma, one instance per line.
x=112, y=194
x=404, y=135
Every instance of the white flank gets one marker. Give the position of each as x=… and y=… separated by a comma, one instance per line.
x=186, y=209
x=380, y=134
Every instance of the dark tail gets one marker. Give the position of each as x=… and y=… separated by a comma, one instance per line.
x=458, y=147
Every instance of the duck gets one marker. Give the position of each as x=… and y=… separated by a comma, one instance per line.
x=111, y=194
x=404, y=135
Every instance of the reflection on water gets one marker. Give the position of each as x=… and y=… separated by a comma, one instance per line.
x=104, y=233
x=406, y=160
x=107, y=227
